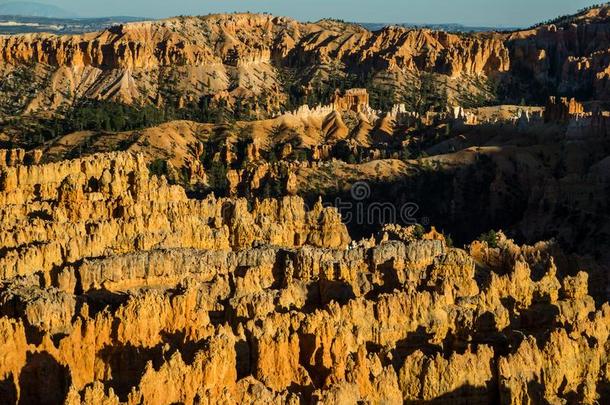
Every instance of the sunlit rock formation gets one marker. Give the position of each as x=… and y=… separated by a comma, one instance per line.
x=118, y=288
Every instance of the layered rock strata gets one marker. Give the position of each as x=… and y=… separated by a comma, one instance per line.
x=188, y=61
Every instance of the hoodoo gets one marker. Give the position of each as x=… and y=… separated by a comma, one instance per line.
x=243, y=208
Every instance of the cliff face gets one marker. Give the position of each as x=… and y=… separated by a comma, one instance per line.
x=243, y=39
x=569, y=56
x=116, y=288
x=247, y=55
x=394, y=48
x=186, y=41
x=145, y=63
x=226, y=56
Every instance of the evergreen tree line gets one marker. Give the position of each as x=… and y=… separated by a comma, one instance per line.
x=566, y=18
x=420, y=94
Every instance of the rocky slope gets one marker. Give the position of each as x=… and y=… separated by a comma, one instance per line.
x=569, y=57
x=182, y=60
x=179, y=62
x=536, y=172
x=116, y=288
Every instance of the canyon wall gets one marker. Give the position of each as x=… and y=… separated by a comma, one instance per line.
x=249, y=56
x=223, y=56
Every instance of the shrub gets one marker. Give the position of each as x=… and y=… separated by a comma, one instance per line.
x=158, y=167
x=217, y=177
x=490, y=237
x=419, y=231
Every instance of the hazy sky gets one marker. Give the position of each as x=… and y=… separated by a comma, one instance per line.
x=469, y=12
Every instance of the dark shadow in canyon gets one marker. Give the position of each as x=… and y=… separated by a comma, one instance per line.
x=43, y=380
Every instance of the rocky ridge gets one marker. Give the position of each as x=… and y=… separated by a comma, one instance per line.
x=183, y=60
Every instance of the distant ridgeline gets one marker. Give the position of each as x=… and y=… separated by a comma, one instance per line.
x=437, y=27
x=14, y=24
x=11, y=23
